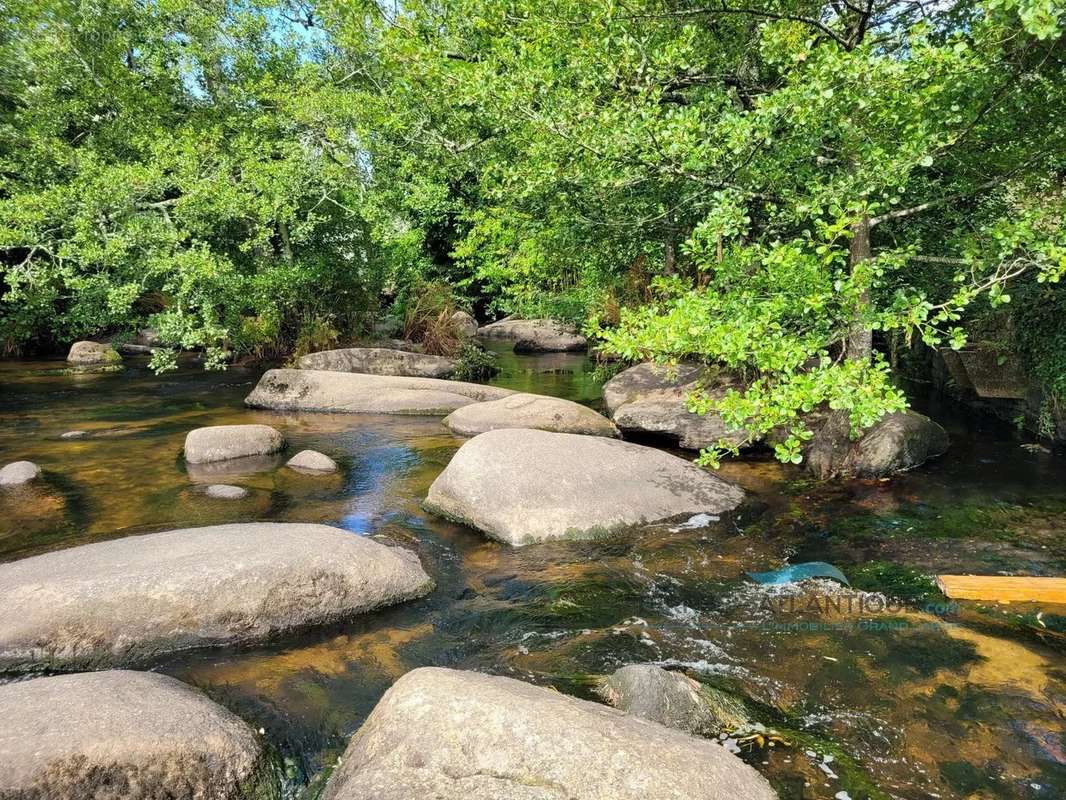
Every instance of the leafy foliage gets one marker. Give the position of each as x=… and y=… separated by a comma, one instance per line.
x=777, y=187
x=797, y=169
x=170, y=163
x=475, y=363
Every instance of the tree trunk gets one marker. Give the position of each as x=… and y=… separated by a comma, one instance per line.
x=859, y=345
x=828, y=452
x=670, y=248
x=286, y=245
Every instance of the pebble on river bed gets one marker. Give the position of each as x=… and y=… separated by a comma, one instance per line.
x=19, y=473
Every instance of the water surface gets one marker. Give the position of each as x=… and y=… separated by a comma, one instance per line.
x=921, y=699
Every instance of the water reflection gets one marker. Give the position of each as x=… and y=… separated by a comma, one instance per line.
x=380, y=463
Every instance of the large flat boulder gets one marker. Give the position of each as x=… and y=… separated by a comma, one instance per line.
x=380, y=361
x=529, y=411
x=653, y=398
x=535, y=335
x=895, y=443
x=354, y=393
x=453, y=735
x=129, y=735
x=226, y=442
x=127, y=600
x=522, y=486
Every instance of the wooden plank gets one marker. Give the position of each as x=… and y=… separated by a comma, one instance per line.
x=1003, y=589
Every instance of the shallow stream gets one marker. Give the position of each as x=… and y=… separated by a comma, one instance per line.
x=911, y=696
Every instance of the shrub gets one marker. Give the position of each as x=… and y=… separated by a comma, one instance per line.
x=475, y=363
x=427, y=319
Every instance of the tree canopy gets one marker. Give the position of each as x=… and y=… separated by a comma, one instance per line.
x=790, y=189
x=167, y=160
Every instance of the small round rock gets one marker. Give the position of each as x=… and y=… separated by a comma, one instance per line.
x=18, y=473
x=312, y=461
x=224, y=491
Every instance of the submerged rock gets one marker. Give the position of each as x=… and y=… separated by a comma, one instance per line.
x=448, y=734
x=529, y=411
x=33, y=509
x=353, y=393
x=535, y=335
x=897, y=442
x=465, y=324
x=19, y=473
x=312, y=461
x=652, y=398
x=231, y=469
x=223, y=491
x=93, y=354
x=224, y=442
x=380, y=361
x=131, y=735
x=128, y=600
x=522, y=486
x=673, y=699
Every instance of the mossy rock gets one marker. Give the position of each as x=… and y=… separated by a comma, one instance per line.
x=673, y=699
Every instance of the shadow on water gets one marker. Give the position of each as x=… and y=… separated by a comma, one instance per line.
x=917, y=699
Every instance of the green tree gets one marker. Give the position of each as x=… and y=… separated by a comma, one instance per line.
x=791, y=171
x=177, y=163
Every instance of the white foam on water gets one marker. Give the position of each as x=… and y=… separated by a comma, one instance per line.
x=695, y=521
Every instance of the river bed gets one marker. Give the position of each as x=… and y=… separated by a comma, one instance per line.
x=911, y=697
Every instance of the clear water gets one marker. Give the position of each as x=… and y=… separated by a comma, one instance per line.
x=915, y=702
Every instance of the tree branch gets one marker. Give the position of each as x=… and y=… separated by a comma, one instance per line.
x=818, y=25
x=910, y=212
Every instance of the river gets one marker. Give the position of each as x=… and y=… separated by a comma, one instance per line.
x=911, y=696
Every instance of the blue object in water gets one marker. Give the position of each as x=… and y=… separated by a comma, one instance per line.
x=800, y=572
